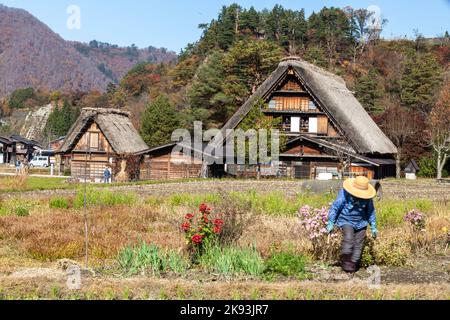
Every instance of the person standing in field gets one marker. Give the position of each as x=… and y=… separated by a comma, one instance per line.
x=18, y=164
x=106, y=175
x=352, y=212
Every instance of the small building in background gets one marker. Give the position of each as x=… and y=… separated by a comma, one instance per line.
x=164, y=163
x=56, y=144
x=16, y=147
x=5, y=150
x=101, y=138
x=411, y=170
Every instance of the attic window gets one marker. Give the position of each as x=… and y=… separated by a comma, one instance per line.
x=311, y=105
x=272, y=104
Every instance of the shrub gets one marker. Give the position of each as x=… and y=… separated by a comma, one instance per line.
x=67, y=172
x=22, y=211
x=59, y=203
x=237, y=218
x=149, y=258
x=313, y=224
x=286, y=263
x=389, y=252
x=200, y=230
x=232, y=260
x=102, y=197
x=416, y=220
x=391, y=212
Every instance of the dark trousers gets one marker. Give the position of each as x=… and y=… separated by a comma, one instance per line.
x=352, y=246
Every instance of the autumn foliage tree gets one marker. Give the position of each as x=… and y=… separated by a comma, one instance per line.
x=439, y=127
x=401, y=126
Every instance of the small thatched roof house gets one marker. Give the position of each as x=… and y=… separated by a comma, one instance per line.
x=101, y=138
x=323, y=121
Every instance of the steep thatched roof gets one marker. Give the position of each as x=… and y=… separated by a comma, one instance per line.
x=115, y=125
x=331, y=93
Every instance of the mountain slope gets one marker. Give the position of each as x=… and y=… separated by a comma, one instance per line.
x=32, y=55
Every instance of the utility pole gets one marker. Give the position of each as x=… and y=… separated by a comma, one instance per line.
x=85, y=213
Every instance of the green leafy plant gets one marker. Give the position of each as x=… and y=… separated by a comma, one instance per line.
x=232, y=260
x=22, y=211
x=59, y=203
x=151, y=259
x=286, y=263
x=101, y=197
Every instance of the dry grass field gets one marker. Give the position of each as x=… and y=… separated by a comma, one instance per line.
x=137, y=249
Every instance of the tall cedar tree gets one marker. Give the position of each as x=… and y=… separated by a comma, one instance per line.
x=331, y=29
x=369, y=92
x=159, y=120
x=420, y=81
x=247, y=64
x=205, y=94
x=61, y=120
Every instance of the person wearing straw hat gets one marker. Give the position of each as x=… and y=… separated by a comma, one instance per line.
x=352, y=212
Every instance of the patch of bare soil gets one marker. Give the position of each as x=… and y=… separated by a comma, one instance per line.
x=391, y=188
x=423, y=270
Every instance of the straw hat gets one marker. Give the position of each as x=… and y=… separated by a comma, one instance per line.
x=360, y=188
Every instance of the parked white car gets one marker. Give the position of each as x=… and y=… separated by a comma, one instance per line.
x=39, y=161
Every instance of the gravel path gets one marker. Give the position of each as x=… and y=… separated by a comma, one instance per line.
x=391, y=189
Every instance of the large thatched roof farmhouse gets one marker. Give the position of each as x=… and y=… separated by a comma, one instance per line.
x=99, y=139
x=327, y=129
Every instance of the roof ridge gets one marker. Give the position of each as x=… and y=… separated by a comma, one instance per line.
x=106, y=111
x=295, y=60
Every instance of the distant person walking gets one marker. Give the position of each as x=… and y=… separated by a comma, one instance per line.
x=352, y=212
x=18, y=164
x=106, y=175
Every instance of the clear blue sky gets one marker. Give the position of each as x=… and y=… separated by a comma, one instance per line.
x=173, y=23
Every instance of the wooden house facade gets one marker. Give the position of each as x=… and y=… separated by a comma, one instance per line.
x=16, y=147
x=101, y=138
x=328, y=132
x=162, y=163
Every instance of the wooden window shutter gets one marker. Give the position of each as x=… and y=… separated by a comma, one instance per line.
x=322, y=125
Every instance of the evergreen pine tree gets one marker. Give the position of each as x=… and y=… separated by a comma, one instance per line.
x=420, y=81
x=159, y=120
x=369, y=92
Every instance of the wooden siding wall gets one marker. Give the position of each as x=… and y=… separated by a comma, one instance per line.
x=322, y=125
x=286, y=99
x=362, y=171
x=169, y=166
x=303, y=150
x=291, y=84
x=99, y=151
x=93, y=171
x=96, y=139
x=291, y=103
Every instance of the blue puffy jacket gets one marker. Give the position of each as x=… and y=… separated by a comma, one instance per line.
x=349, y=210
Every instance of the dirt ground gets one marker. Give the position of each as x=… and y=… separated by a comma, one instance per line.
x=392, y=189
x=428, y=279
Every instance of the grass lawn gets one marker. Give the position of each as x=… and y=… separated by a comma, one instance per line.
x=30, y=183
